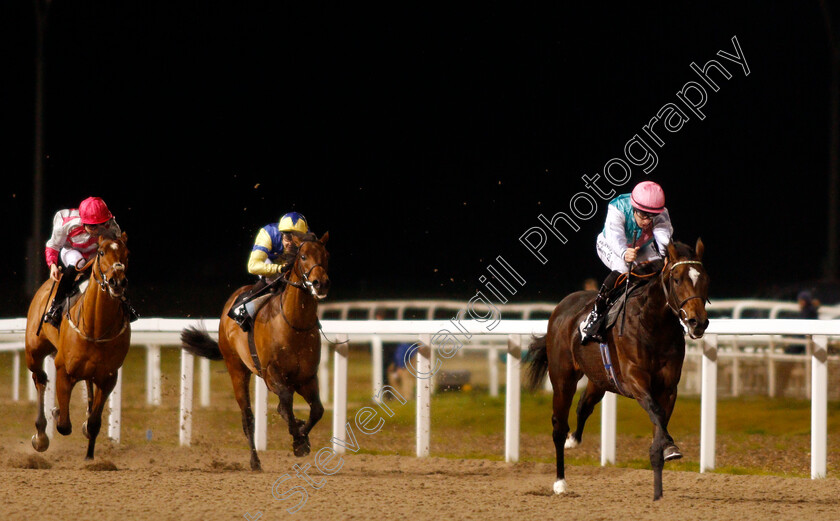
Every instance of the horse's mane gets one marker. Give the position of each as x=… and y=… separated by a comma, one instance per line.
x=308, y=237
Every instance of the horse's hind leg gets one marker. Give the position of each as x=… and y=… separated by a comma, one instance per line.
x=94, y=420
x=564, y=392
x=588, y=400
x=240, y=376
x=63, y=390
x=35, y=363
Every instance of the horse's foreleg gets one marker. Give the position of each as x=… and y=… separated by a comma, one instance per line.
x=40, y=440
x=94, y=419
x=300, y=441
x=63, y=390
x=661, y=439
x=564, y=392
x=588, y=400
x=309, y=391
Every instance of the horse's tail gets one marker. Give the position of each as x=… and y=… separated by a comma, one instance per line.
x=199, y=343
x=538, y=366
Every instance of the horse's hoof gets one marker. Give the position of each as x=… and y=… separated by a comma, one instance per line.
x=256, y=466
x=560, y=486
x=571, y=442
x=84, y=430
x=40, y=442
x=64, y=431
x=671, y=452
x=301, y=448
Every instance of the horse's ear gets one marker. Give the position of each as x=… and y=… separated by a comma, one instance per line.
x=124, y=237
x=324, y=238
x=672, y=252
x=699, y=248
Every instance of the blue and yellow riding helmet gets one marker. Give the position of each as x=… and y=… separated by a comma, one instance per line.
x=293, y=222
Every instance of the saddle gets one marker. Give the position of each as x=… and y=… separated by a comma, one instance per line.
x=617, y=297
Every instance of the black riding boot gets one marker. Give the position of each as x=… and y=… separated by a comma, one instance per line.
x=65, y=285
x=238, y=312
x=594, y=322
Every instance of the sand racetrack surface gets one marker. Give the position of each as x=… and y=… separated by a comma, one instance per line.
x=159, y=482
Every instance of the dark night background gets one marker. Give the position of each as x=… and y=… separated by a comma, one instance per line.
x=425, y=139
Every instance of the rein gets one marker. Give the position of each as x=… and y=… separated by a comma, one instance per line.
x=103, y=286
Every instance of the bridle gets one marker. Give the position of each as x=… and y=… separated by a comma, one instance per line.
x=105, y=287
x=306, y=285
x=678, y=310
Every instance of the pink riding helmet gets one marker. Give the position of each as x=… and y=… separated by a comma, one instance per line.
x=648, y=196
x=94, y=211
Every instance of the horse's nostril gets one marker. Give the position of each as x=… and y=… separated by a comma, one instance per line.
x=692, y=322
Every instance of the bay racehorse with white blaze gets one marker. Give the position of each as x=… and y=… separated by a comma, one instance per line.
x=90, y=345
x=285, y=349
x=647, y=358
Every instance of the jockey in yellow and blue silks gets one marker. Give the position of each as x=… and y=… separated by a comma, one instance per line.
x=271, y=256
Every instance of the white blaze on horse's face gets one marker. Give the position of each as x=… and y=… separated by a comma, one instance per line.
x=694, y=275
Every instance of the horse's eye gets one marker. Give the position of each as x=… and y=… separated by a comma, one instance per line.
x=303, y=257
x=101, y=252
x=677, y=281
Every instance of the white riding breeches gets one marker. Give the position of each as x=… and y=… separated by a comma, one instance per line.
x=71, y=257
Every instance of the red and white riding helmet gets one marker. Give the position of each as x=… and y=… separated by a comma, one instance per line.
x=94, y=211
x=648, y=197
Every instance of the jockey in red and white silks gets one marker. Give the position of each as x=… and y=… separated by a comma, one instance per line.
x=70, y=242
x=74, y=240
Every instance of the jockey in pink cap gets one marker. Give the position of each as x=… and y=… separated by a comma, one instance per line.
x=74, y=240
x=638, y=229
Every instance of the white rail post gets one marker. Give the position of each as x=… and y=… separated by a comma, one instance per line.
x=49, y=394
x=324, y=374
x=153, y=374
x=260, y=413
x=424, y=396
x=376, y=355
x=512, y=398
x=608, y=430
x=736, y=377
x=771, y=374
x=809, y=354
x=115, y=401
x=16, y=376
x=708, y=403
x=819, y=406
x=493, y=361
x=340, y=392
x=204, y=375
x=185, y=420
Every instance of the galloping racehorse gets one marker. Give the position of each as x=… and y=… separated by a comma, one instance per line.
x=286, y=345
x=90, y=345
x=647, y=359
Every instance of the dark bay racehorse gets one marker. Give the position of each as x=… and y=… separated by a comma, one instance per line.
x=647, y=358
x=90, y=345
x=287, y=341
